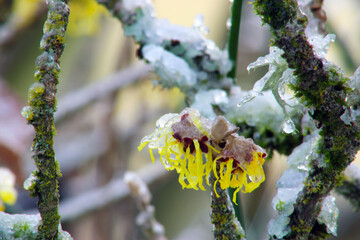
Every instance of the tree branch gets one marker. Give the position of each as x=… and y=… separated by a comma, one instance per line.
x=181, y=56
x=322, y=87
x=226, y=225
x=40, y=113
x=115, y=191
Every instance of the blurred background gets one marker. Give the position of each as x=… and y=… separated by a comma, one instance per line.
x=107, y=103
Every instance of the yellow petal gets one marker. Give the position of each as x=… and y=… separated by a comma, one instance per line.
x=199, y=164
x=8, y=196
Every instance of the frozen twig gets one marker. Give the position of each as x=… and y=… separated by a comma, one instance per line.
x=146, y=218
x=180, y=56
x=115, y=191
x=322, y=86
x=40, y=113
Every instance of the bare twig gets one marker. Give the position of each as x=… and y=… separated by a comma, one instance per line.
x=146, y=218
x=40, y=114
x=115, y=191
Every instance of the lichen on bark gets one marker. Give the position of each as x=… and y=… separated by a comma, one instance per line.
x=226, y=226
x=40, y=114
x=322, y=87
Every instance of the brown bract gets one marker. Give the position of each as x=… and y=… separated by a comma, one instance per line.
x=241, y=149
x=225, y=139
x=186, y=132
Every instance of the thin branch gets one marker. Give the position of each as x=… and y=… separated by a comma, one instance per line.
x=115, y=191
x=146, y=218
x=79, y=99
x=40, y=113
x=226, y=225
x=323, y=89
x=181, y=56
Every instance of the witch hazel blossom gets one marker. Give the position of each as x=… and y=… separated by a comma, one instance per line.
x=182, y=140
x=239, y=164
x=194, y=146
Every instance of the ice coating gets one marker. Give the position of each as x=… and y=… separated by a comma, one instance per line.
x=354, y=83
x=172, y=70
x=301, y=155
x=262, y=111
x=12, y=225
x=204, y=101
x=321, y=44
x=204, y=60
x=279, y=227
x=329, y=214
x=290, y=184
x=276, y=79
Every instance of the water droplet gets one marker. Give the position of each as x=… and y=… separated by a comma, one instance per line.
x=228, y=23
x=288, y=126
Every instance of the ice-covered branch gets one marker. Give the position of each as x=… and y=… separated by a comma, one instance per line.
x=24, y=226
x=146, y=218
x=116, y=190
x=322, y=87
x=181, y=56
x=40, y=113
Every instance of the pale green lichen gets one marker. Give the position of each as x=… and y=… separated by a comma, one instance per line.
x=40, y=114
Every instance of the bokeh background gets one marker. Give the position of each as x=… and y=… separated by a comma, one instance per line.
x=97, y=143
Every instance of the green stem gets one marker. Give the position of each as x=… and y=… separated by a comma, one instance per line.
x=40, y=113
x=223, y=218
x=233, y=51
x=234, y=36
x=237, y=208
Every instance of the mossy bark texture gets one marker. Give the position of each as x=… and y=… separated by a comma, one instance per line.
x=226, y=226
x=322, y=88
x=42, y=105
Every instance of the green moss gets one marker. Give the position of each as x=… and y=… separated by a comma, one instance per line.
x=40, y=114
x=222, y=215
x=280, y=206
x=276, y=13
x=282, y=142
x=23, y=231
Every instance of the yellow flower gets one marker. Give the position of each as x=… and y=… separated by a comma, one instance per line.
x=182, y=140
x=8, y=193
x=240, y=165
